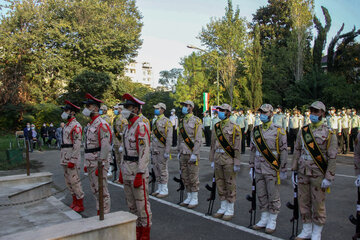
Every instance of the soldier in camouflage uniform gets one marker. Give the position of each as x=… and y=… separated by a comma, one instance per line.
x=119, y=125
x=225, y=160
x=268, y=176
x=70, y=154
x=134, y=166
x=103, y=113
x=97, y=148
x=189, y=153
x=161, y=139
x=312, y=179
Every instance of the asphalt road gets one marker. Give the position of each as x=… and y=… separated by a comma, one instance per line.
x=173, y=222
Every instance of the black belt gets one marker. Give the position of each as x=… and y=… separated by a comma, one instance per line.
x=131, y=159
x=67, y=145
x=92, y=150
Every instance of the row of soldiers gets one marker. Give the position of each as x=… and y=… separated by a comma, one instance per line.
x=136, y=145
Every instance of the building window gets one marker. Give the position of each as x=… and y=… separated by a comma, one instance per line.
x=132, y=71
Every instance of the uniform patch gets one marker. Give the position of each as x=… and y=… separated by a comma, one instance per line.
x=141, y=142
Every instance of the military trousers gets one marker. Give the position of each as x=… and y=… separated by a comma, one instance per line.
x=94, y=185
x=160, y=164
x=311, y=199
x=118, y=157
x=137, y=200
x=268, y=193
x=225, y=178
x=242, y=140
x=353, y=136
x=72, y=180
x=189, y=173
x=207, y=133
x=344, y=141
x=248, y=134
x=292, y=138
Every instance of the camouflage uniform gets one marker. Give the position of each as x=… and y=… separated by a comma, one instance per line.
x=70, y=152
x=119, y=125
x=136, y=160
x=98, y=146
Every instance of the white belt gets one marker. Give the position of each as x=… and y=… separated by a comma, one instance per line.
x=220, y=150
x=258, y=154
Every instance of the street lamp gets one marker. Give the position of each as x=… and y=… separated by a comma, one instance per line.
x=217, y=67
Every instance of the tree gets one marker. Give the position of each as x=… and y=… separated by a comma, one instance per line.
x=168, y=78
x=226, y=38
x=320, y=40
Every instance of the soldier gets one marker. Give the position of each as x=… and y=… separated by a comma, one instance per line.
x=215, y=119
x=119, y=125
x=225, y=159
x=306, y=120
x=70, y=154
x=250, y=121
x=97, y=148
x=279, y=117
x=314, y=161
x=268, y=157
x=160, y=149
x=189, y=143
x=103, y=113
x=257, y=121
x=333, y=122
x=357, y=160
x=354, y=126
x=345, y=125
x=175, y=122
x=207, y=126
x=241, y=121
x=134, y=167
x=294, y=124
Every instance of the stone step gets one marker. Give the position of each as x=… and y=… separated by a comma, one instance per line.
x=30, y=192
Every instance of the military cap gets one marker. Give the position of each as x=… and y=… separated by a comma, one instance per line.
x=225, y=107
x=160, y=105
x=318, y=105
x=130, y=100
x=266, y=108
x=92, y=100
x=70, y=106
x=172, y=110
x=343, y=108
x=191, y=103
x=104, y=107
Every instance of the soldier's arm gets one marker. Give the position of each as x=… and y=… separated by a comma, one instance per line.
x=252, y=152
x=246, y=126
x=237, y=145
x=198, y=137
x=143, y=143
x=357, y=155
x=331, y=154
x=169, y=137
x=339, y=125
x=212, y=146
x=76, y=136
x=283, y=150
x=297, y=152
x=105, y=139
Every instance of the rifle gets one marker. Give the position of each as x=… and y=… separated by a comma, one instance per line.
x=181, y=187
x=252, y=199
x=114, y=169
x=212, y=197
x=356, y=221
x=295, y=207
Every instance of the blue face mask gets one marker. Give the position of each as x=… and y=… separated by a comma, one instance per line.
x=100, y=112
x=116, y=112
x=264, y=118
x=221, y=115
x=314, y=118
x=184, y=110
x=157, y=112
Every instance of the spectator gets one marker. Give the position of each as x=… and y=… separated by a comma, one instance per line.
x=44, y=132
x=34, y=138
x=58, y=135
x=27, y=135
x=51, y=133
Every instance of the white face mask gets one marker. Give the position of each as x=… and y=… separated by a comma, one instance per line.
x=126, y=113
x=86, y=112
x=64, y=115
x=51, y=125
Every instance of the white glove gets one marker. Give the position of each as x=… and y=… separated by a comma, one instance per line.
x=251, y=173
x=357, y=181
x=283, y=175
x=212, y=165
x=236, y=168
x=166, y=155
x=325, y=183
x=178, y=156
x=121, y=149
x=294, y=179
x=193, y=158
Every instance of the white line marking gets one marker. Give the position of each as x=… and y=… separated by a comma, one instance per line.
x=229, y=224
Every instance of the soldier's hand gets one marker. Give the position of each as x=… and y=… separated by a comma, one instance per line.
x=294, y=179
x=178, y=156
x=251, y=173
x=85, y=169
x=70, y=165
x=236, y=168
x=97, y=172
x=212, y=165
x=138, y=180
x=121, y=149
x=193, y=158
x=166, y=155
x=325, y=183
x=357, y=181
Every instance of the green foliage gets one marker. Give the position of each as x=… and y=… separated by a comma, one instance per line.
x=169, y=78
x=319, y=43
x=153, y=98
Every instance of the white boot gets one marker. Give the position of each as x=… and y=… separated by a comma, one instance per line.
x=222, y=209
x=305, y=232
x=271, y=225
x=157, y=190
x=316, y=232
x=229, y=213
x=263, y=221
x=194, y=200
x=187, y=200
x=164, y=192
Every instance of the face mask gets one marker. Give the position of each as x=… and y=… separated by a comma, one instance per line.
x=51, y=125
x=101, y=112
x=44, y=125
x=173, y=113
x=28, y=126
x=184, y=110
x=264, y=118
x=157, y=112
x=222, y=115
x=64, y=115
x=86, y=112
x=314, y=118
x=32, y=128
x=116, y=112
x=126, y=113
